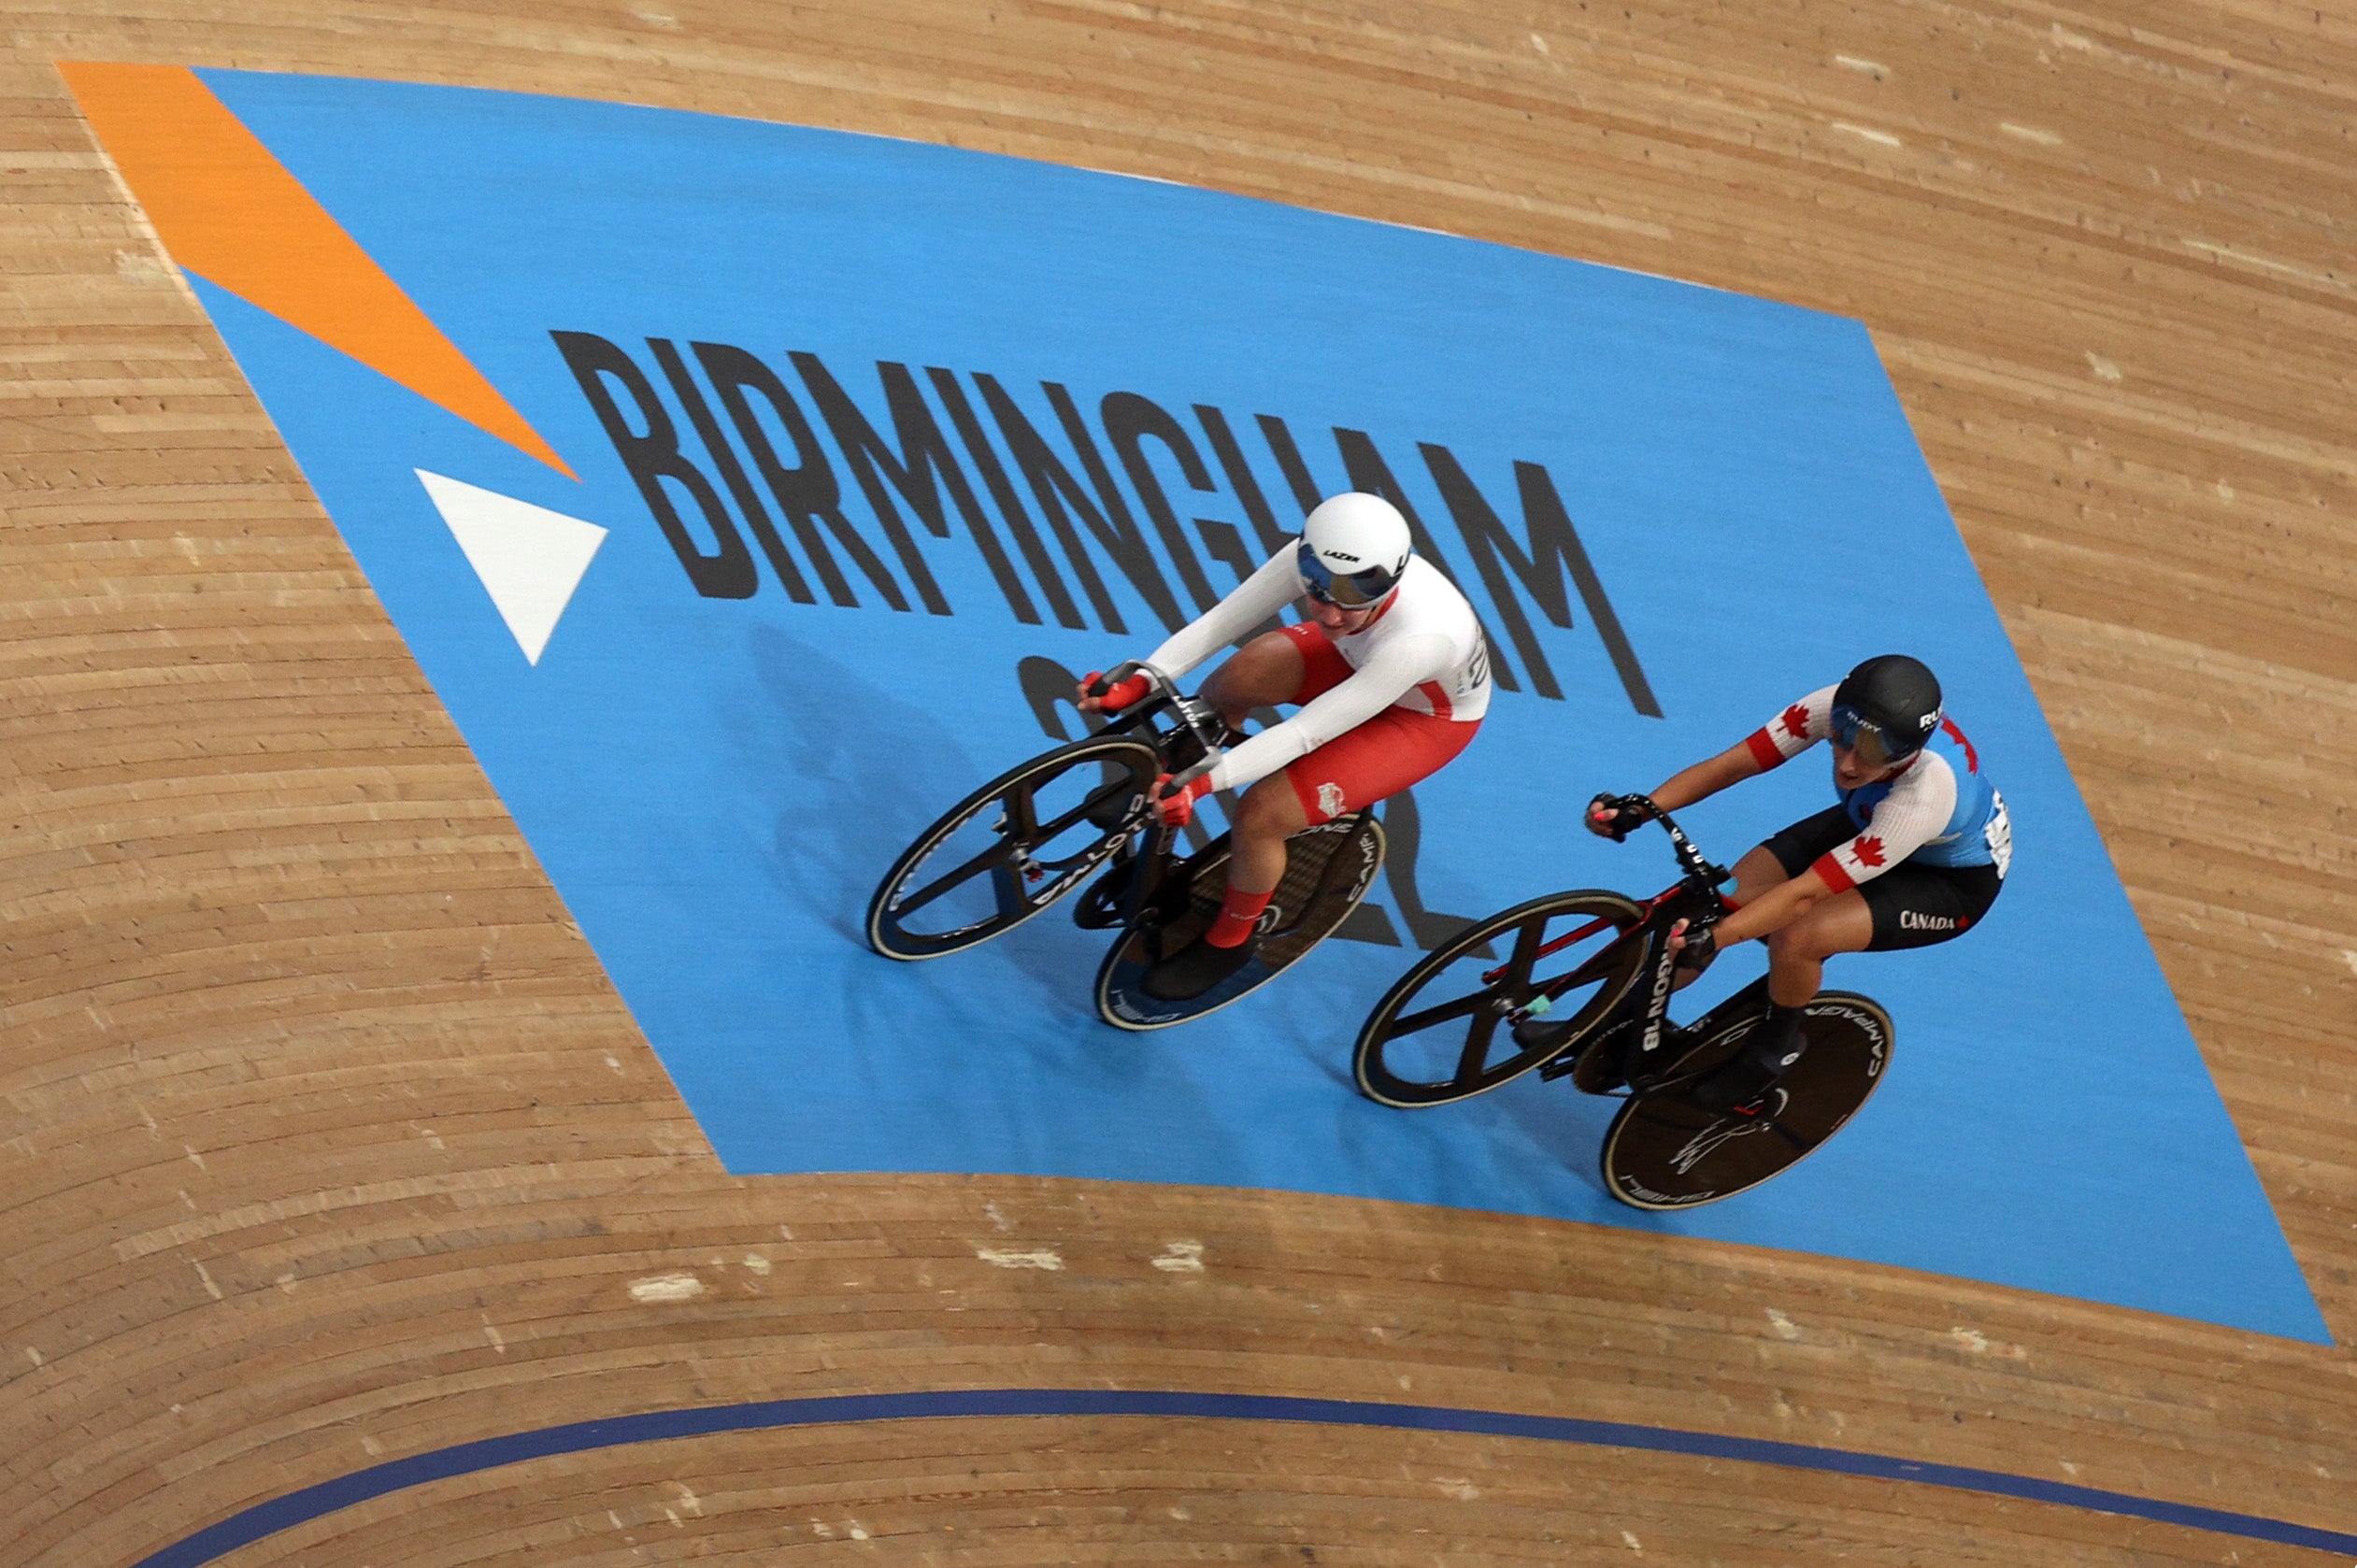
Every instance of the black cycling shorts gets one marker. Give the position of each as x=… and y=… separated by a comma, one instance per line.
x=1913, y=905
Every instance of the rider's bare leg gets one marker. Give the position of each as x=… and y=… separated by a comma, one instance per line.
x=1269, y=814
x=1796, y=967
x=1265, y=672
x=1797, y=953
x=1262, y=673
x=1756, y=873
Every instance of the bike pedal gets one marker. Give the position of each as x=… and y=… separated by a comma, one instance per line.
x=1099, y=905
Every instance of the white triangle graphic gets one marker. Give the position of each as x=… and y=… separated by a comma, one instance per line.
x=530, y=557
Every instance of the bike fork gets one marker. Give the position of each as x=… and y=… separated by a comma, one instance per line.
x=1648, y=1040
x=1153, y=865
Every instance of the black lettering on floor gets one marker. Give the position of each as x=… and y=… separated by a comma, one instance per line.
x=805, y=493
x=1010, y=505
x=1128, y=419
x=651, y=457
x=1241, y=481
x=749, y=505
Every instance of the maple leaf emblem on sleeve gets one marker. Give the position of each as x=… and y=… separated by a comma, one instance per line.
x=1796, y=721
x=1868, y=851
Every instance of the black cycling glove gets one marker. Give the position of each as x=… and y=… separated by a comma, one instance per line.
x=1612, y=817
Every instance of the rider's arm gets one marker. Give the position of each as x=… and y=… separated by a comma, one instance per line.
x=1395, y=669
x=1277, y=584
x=1800, y=726
x=1706, y=778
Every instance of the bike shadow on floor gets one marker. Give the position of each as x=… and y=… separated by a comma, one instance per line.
x=842, y=757
x=858, y=772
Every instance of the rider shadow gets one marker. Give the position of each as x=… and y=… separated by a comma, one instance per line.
x=858, y=799
x=863, y=788
x=1562, y=1125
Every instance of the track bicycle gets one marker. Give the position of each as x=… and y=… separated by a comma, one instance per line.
x=1583, y=993
x=1028, y=838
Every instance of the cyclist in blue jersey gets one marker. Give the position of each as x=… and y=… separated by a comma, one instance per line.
x=1914, y=854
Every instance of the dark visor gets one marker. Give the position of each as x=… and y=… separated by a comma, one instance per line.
x=1352, y=592
x=1876, y=747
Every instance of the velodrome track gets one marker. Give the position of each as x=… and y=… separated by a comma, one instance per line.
x=329, y=1144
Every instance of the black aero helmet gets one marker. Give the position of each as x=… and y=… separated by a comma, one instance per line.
x=1886, y=708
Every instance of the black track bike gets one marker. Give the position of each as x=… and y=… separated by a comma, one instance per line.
x=1037, y=832
x=1583, y=993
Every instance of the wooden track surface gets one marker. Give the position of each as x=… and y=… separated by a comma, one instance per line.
x=326, y=1141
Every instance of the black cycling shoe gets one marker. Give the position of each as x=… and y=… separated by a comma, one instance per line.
x=1737, y=1083
x=1195, y=968
x=1542, y=1034
x=1646, y=1071
x=1745, y=1079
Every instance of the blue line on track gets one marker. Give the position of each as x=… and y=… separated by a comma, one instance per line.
x=267, y=1519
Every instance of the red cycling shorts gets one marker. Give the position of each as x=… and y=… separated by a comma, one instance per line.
x=1395, y=748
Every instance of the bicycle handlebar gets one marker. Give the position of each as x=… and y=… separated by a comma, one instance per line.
x=1104, y=683
x=1161, y=713
x=1692, y=859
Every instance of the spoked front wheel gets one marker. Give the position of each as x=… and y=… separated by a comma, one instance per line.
x=1012, y=848
x=1445, y=1031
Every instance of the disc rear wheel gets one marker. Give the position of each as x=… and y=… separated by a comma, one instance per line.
x=1663, y=1151
x=1328, y=870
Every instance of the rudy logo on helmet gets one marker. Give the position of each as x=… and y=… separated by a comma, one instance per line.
x=1886, y=709
x=1353, y=549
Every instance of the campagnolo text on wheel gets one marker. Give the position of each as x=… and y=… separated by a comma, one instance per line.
x=1391, y=678
x=1577, y=984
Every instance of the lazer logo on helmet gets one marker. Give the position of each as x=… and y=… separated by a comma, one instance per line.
x=1341, y=535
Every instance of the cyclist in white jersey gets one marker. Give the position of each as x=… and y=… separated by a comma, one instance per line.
x=1914, y=854
x=1392, y=678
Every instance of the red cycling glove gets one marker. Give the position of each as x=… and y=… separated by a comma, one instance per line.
x=1121, y=693
x=1176, y=802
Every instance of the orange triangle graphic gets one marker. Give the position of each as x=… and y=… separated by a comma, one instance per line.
x=228, y=210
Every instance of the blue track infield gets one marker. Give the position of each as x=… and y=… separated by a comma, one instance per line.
x=889, y=439
x=267, y=1519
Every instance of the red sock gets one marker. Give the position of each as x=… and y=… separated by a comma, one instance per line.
x=1237, y=914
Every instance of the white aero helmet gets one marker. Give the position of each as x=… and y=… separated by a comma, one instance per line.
x=1353, y=549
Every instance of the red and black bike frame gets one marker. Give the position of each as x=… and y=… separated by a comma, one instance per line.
x=1694, y=898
